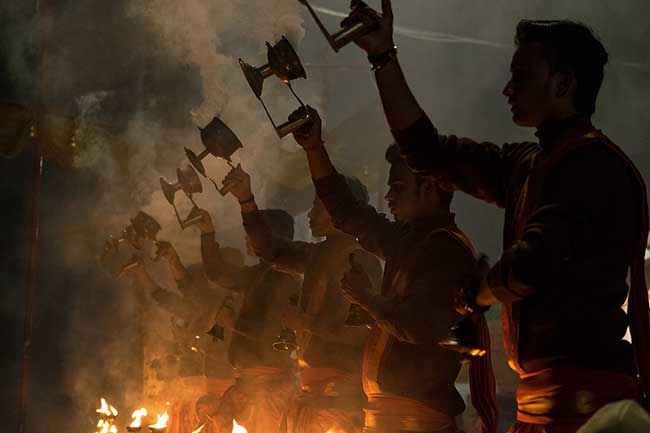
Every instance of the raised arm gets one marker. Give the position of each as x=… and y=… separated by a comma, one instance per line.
x=285, y=255
x=375, y=232
x=478, y=169
x=167, y=300
x=218, y=270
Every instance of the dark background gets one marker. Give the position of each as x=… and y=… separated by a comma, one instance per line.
x=81, y=316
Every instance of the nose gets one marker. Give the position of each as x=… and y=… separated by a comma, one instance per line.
x=389, y=194
x=507, y=90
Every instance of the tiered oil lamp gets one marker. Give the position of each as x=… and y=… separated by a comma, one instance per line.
x=188, y=181
x=284, y=63
x=353, y=27
x=219, y=141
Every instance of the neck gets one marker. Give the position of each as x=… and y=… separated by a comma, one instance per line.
x=557, y=118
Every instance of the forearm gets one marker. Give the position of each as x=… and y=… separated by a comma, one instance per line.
x=406, y=321
x=214, y=265
x=144, y=281
x=320, y=164
x=400, y=106
x=373, y=230
x=177, y=269
x=257, y=230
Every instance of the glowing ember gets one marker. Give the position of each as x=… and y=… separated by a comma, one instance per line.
x=198, y=430
x=236, y=428
x=106, y=409
x=161, y=423
x=137, y=416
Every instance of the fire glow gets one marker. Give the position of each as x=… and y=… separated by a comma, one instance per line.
x=137, y=416
x=107, y=410
x=104, y=426
x=161, y=424
x=236, y=428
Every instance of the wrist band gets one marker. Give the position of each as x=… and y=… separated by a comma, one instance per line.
x=251, y=199
x=380, y=60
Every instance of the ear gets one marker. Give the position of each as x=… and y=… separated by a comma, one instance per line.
x=428, y=186
x=565, y=84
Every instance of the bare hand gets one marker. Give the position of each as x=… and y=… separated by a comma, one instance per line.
x=379, y=40
x=356, y=284
x=309, y=135
x=239, y=183
x=466, y=296
x=205, y=225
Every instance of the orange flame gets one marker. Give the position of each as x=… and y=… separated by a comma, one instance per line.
x=198, y=430
x=162, y=422
x=104, y=426
x=303, y=364
x=137, y=416
x=236, y=428
x=106, y=409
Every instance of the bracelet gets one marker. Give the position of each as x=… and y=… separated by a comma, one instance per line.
x=251, y=199
x=380, y=60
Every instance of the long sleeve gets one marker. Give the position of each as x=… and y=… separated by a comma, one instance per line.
x=375, y=232
x=219, y=271
x=586, y=218
x=482, y=170
x=172, y=303
x=424, y=314
x=285, y=255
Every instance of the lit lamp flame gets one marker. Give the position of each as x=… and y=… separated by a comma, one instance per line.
x=106, y=409
x=236, y=428
x=137, y=416
x=161, y=424
x=104, y=426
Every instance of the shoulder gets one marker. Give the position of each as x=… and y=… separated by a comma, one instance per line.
x=448, y=248
x=599, y=163
x=520, y=152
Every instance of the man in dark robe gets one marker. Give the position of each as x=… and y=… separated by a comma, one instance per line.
x=575, y=221
x=194, y=366
x=329, y=354
x=407, y=377
x=265, y=379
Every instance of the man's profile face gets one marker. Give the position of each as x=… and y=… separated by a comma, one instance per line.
x=531, y=88
x=403, y=196
x=320, y=222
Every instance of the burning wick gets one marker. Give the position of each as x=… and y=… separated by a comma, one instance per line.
x=104, y=426
x=198, y=430
x=106, y=410
x=107, y=414
x=236, y=428
x=137, y=416
x=161, y=424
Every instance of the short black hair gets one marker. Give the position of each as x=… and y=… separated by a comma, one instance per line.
x=280, y=221
x=570, y=47
x=393, y=156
